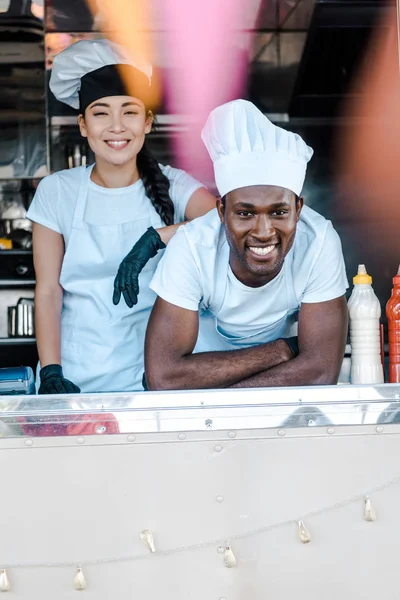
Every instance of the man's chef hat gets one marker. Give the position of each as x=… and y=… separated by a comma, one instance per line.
x=87, y=71
x=247, y=149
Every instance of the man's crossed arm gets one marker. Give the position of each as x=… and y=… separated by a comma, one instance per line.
x=172, y=334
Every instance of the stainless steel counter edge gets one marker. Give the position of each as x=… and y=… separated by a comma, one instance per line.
x=207, y=413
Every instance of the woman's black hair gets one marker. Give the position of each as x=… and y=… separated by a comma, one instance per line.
x=156, y=185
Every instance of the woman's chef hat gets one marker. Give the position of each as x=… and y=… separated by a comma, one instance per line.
x=93, y=69
x=247, y=149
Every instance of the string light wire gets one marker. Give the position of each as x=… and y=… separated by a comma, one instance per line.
x=207, y=544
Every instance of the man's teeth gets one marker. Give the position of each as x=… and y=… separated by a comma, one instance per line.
x=117, y=144
x=262, y=251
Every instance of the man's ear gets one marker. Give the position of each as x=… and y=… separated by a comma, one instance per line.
x=82, y=125
x=299, y=206
x=221, y=209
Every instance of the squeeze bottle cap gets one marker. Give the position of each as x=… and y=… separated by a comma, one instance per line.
x=396, y=278
x=362, y=276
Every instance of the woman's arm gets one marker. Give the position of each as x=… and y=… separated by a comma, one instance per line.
x=127, y=279
x=48, y=254
x=199, y=203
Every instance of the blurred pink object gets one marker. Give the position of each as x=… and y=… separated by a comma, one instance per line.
x=369, y=152
x=76, y=424
x=209, y=45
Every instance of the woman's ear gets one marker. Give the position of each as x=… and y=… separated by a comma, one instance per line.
x=82, y=125
x=149, y=121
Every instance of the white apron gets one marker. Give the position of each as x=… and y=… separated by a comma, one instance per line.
x=101, y=344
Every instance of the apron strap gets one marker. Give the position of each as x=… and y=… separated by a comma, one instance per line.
x=289, y=281
x=292, y=299
x=82, y=196
x=220, y=282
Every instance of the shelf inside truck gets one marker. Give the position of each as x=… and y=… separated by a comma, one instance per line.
x=17, y=340
x=17, y=283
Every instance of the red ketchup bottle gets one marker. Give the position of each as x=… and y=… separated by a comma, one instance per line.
x=393, y=317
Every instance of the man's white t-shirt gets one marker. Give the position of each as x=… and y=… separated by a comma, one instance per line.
x=194, y=274
x=55, y=200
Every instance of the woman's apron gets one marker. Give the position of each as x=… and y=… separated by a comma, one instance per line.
x=101, y=344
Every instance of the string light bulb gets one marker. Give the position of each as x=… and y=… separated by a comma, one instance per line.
x=79, y=581
x=147, y=538
x=369, y=512
x=4, y=581
x=229, y=557
x=304, y=534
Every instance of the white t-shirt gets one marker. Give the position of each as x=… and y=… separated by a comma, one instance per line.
x=195, y=274
x=54, y=202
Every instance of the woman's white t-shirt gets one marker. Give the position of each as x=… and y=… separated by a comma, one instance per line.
x=53, y=206
x=55, y=200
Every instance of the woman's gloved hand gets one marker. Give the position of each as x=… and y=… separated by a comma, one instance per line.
x=293, y=344
x=52, y=381
x=127, y=279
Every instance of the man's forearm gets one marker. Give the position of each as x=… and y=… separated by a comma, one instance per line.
x=322, y=340
x=207, y=370
x=302, y=370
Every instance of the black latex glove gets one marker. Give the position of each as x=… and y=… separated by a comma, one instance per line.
x=293, y=344
x=127, y=279
x=144, y=383
x=52, y=381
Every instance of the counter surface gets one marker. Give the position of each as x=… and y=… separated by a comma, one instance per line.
x=284, y=411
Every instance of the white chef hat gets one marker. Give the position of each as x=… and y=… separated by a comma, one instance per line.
x=87, y=71
x=247, y=149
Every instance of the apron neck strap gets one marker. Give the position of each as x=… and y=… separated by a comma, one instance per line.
x=289, y=279
x=221, y=275
x=82, y=195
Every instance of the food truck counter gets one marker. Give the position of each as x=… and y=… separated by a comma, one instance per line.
x=226, y=495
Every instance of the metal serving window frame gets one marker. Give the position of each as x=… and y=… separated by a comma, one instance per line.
x=279, y=411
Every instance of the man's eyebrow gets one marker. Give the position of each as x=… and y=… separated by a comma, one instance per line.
x=280, y=205
x=249, y=205
x=243, y=205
